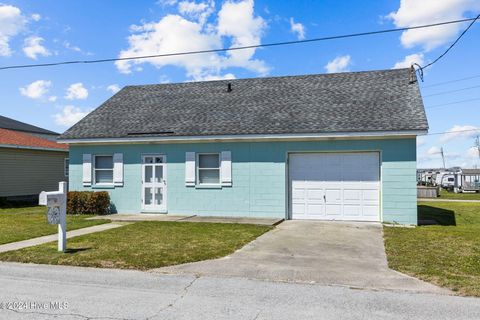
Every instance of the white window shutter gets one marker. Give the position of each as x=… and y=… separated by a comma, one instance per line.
x=226, y=168
x=87, y=170
x=190, y=169
x=118, y=169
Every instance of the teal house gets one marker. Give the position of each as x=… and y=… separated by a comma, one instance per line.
x=319, y=147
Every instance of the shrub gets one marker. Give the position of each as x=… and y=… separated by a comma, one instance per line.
x=88, y=202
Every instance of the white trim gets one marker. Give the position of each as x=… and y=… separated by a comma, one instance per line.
x=94, y=169
x=251, y=137
x=152, y=208
x=197, y=169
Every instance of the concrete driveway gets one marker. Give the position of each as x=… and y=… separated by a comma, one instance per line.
x=328, y=253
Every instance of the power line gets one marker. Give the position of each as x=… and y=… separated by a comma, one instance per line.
x=240, y=47
x=446, y=132
x=448, y=49
x=451, y=91
x=451, y=103
x=450, y=81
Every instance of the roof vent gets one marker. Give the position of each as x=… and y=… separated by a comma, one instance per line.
x=229, y=87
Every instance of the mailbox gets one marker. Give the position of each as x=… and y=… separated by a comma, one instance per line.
x=56, y=202
x=53, y=209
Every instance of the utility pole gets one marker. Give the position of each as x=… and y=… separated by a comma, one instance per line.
x=443, y=157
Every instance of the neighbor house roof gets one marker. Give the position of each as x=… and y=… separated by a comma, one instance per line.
x=7, y=123
x=16, y=139
x=358, y=102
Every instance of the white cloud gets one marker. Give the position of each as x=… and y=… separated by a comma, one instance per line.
x=69, y=116
x=415, y=12
x=113, y=88
x=473, y=153
x=433, y=150
x=11, y=23
x=33, y=47
x=227, y=76
x=199, y=11
x=52, y=98
x=36, y=89
x=36, y=17
x=76, y=91
x=298, y=29
x=176, y=33
x=460, y=132
x=409, y=60
x=339, y=64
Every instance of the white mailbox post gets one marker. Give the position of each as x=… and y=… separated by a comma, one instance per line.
x=56, y=202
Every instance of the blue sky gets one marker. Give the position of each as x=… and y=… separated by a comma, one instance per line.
x=55, y=98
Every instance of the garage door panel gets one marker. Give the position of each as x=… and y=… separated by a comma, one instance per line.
x=333, y=210
x=371, y=195
x=315, y=194
x=352, y=210
x=352, y=195
x=337, y=186
x=316, y=209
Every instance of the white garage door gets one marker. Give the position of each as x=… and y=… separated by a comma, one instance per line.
x=335, y=186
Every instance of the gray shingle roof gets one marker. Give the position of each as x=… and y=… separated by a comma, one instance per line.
x=11, y=124
x=324, y=103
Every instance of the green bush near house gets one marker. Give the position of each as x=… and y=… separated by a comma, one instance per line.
x=88, y=202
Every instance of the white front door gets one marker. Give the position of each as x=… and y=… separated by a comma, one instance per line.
x=335, y=186
x=154, y=185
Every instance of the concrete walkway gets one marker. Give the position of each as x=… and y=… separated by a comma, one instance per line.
x=328, y=253
x=446, y=200
x=54, y=237
x=192, y=218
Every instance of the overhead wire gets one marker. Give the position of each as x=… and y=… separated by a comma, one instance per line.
x=351, y=35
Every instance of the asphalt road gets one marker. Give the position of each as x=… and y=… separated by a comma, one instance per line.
x=55, y=292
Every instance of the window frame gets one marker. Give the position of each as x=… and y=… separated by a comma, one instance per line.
x=66, y=166
x=94, y=169
x=198, y=169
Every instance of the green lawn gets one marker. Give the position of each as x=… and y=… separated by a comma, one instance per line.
x=18, y=224
x=145, y=245
x=459, y=196
x=447, y=254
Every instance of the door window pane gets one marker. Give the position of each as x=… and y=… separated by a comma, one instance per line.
x=148, y=196
x=158, y=196
x=148, y=160
x=208, y=161
x=148, y=174
x=209, y=176
x=158, y=159
x=158, y=174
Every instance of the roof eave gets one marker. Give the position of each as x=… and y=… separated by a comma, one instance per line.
x=249, y=137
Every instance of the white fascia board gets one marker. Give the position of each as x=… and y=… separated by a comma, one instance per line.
x=14, y=146
x=250, y=137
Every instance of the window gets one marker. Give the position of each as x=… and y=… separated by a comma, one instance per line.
x=65, y=166
x=103, y=170
x=208, y=169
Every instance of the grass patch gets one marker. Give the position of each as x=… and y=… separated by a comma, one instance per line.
x=144, y=245
x=444, y=194
x=447, y=254
x=23, y=223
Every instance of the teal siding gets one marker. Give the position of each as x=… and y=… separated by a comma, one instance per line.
x=258, y=173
